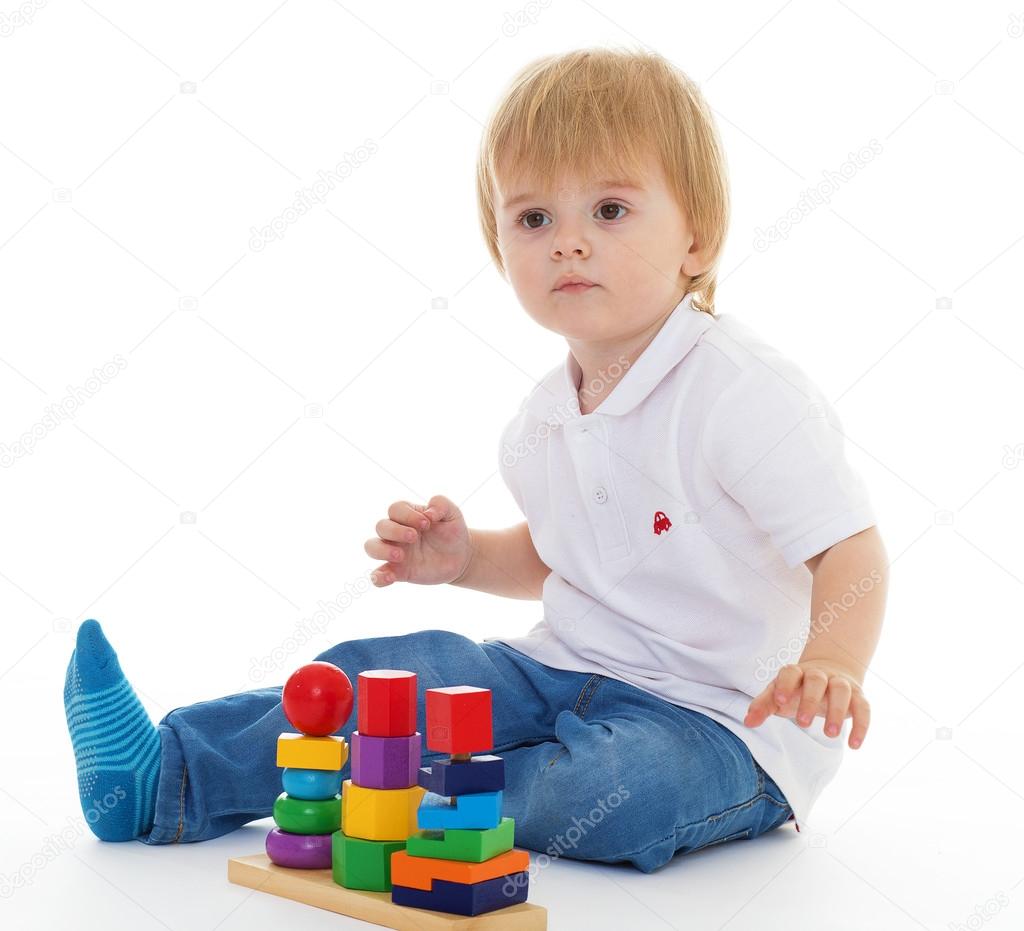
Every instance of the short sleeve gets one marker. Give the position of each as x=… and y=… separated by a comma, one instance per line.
x=775, y=445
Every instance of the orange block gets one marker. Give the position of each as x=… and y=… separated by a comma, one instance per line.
x=420, y=872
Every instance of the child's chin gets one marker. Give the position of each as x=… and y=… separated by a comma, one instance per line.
x=573, y=319
x=580, y=329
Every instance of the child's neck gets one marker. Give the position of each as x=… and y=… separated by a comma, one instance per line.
x=605, y=363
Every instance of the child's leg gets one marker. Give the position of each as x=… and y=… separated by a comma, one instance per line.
x=629, y=777
x=218, y=769
x=595, y=769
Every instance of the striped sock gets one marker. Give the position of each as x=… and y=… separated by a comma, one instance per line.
x=116, y=746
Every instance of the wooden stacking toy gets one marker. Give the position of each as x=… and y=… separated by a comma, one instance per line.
x=462, y=859
x=317, y=700
x=400, y=845
x=379, y=802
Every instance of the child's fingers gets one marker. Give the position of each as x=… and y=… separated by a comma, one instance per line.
x=441, y=508
x=861, y=719
x=392, y=531
x=787, y=683
x=403, y=512
x=839, y=692
x=761, y=707
x=382, y=549
x=383, y=576
x=815, y=684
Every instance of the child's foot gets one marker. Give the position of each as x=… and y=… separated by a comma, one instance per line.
x=117, y=748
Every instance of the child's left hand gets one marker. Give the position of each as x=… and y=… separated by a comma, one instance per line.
x=812, y=688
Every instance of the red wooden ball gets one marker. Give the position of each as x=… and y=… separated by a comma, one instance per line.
x=317, y=698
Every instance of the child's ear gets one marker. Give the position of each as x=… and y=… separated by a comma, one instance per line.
x=695, y=262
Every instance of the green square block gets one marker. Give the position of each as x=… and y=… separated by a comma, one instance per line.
x=357, y=863
x=473, y=846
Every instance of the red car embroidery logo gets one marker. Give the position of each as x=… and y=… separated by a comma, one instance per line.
x=661, y=522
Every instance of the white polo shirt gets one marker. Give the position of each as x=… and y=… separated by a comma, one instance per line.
x=676, y=518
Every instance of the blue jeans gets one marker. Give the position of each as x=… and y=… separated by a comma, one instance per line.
x=595, y=768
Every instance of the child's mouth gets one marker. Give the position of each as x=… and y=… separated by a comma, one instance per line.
x=575, y=288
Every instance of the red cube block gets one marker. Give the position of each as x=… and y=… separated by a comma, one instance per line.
x=386, y=703
x=459, y=719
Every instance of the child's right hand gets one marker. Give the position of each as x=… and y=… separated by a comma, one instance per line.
x=428, y=544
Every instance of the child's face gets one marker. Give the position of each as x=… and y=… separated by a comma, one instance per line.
x=634, y=243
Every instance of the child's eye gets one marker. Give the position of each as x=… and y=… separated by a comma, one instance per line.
x=613, y=205
x=529, y=213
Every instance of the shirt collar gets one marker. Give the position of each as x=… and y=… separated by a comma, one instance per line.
x=677, y=336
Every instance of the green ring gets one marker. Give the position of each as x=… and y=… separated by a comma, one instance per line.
x=304, y=816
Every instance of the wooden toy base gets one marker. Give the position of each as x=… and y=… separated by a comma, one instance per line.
x=316, y=887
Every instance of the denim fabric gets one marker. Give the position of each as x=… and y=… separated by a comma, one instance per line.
x=595, y=768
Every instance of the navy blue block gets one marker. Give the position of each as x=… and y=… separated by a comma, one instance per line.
x=477, y=774
x=466, y=898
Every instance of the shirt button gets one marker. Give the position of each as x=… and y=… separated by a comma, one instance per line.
x=600, y=495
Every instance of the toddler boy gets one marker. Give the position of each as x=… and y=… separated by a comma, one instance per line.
x=691, y=526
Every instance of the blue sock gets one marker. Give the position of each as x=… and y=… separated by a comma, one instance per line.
x=116, y=746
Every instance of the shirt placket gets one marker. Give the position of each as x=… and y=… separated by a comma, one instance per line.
x=589, y=446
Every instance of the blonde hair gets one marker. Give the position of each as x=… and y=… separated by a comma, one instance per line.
x=598, y=110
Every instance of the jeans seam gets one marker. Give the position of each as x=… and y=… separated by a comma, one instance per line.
x=739, y=835
x=740, y=807
x=761, y=773
x=576, y=709
x=583, y=711
x=707, y=820
x=583, y=691
x=181, y=804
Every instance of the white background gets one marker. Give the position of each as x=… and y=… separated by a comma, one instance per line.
x=215, y=493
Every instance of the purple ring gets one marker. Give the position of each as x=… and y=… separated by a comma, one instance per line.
x=299, y=851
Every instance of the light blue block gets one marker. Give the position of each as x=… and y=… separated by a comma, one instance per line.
x=479, y=810
x=311, y=784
